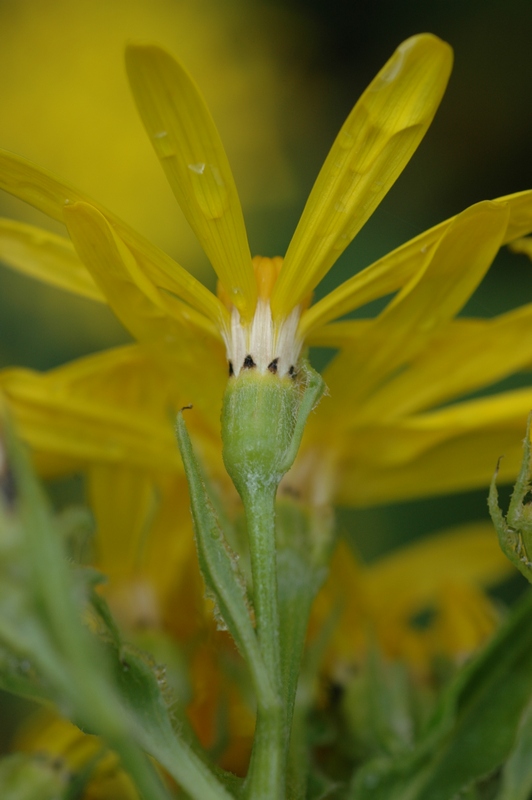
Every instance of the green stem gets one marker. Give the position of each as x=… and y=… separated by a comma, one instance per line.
x=266, y=776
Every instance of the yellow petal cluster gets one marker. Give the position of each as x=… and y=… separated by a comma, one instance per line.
x=387, y=430
x=443, y=576
x=384, y=432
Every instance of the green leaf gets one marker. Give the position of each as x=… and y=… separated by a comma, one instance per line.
x=378, y=708
x=219, y=567
x=474, y=726
x=516, y=782
x=100, y=685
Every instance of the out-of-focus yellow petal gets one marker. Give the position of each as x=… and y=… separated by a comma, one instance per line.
x=467, y=355
x=144, y=544
x=465, y=619
x=187, y=143
x=455, y=449
x=434, y=295
x=523, y=246
x=373, y=147
x=469, y=554
x=50, y=195
x=46, y=257
x=381, y=599
x=46, y=733
x=59, y=417
x=138, y=303
x=395, y=269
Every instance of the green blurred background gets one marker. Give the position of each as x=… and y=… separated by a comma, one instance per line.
x=280, y=78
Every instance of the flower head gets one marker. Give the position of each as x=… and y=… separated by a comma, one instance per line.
x=382, y=434
x=266, y=316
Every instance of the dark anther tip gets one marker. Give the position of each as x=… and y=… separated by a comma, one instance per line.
x=272, y=366
x=248, y=363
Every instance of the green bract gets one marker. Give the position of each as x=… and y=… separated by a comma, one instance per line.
x=263, y=418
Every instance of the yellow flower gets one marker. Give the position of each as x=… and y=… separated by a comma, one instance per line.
x=390, y=371
x=61, y=742
x=375, y=439
x=372, y=148
x=443, y=576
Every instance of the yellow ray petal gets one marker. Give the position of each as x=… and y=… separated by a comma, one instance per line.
x=123, y=501
x=137, y=302
x=373, y=147
x=47, y=193
x=143, y=309
x=455, y=449
x=48, y=735
x=144, y=542
x=523, y=246
x=53, y=420
x=451, y=273
x=386, y=594
x=108, y=407
x=46, y=257
x=414, y=573
x=185, y=138
x=463, y=358
x=340, y=334
x=391, y=272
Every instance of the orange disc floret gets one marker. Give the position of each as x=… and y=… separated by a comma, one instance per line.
x=266, y=273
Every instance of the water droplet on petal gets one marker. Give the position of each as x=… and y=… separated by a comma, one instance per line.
x=209, y=188
x=199, y=169
x=163, y=145
x=395, y=64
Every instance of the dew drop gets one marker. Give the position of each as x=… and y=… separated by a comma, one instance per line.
x=396, y=63
x=199, y=169
x=209, y=188
x=163, y=145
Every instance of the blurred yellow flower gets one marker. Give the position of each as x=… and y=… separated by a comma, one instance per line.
x=85, y=757
x=443, y=576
